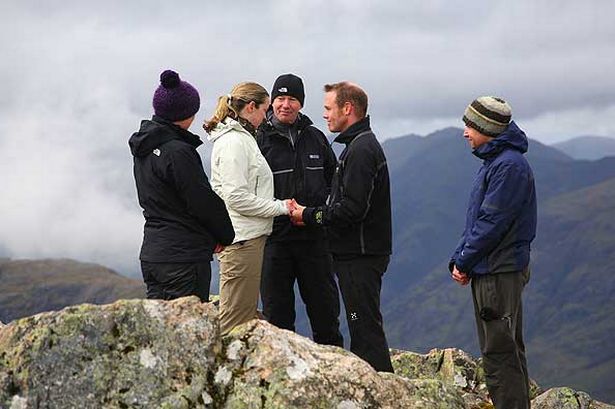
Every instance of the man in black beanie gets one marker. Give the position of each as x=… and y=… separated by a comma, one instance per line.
x=494, y=251
x=185, y=221
x=303, y=164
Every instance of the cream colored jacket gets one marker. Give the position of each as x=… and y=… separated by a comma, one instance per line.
x=241, y=176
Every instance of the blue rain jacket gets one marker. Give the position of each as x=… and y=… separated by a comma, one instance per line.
x=501, y=217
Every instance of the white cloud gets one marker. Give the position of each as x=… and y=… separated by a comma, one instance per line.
x=78, y=76
x=559, y=126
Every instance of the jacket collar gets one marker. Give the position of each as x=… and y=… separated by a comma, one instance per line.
x=355, y=129
x=270, y=126
x=183, y=134
x=157, y=131
x=229, y=124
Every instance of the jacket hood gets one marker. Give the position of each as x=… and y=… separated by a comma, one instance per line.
x=156, y=132
x=512, y=138
x=229, y=124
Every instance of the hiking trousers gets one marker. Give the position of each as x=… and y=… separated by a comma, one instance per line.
x=167, y=281
x=499, y=321
x=360, y=280
x=240, y=277
x=309, y=264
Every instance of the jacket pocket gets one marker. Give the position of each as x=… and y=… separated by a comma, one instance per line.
x=314, y=183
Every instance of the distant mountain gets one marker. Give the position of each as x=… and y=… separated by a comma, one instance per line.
x=569, y=302
x=31, y=286
x=587, y=147
x=569, y=306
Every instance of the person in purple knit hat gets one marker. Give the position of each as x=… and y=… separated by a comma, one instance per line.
x=185, y=220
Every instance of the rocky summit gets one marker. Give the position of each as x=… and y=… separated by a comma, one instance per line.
x=151, y=354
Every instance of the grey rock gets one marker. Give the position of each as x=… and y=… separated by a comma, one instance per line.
x=169, y=354
x=274, y=368
x=566, y=398
x=136, y=353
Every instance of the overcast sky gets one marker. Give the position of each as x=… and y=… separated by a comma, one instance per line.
x=78, y=76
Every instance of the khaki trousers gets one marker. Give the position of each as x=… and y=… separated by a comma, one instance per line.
x=240, y=278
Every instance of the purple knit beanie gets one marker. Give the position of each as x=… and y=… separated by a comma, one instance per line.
x=175, y=100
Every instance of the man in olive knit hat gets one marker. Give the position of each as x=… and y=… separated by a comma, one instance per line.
x=494, y=251
x=185, y=221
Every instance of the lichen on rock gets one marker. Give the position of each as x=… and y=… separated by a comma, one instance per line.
x=114, y=355
x=169, y=354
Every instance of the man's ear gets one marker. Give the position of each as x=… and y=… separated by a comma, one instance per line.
x=347, y=108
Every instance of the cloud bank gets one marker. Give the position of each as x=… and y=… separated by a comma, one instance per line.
x=78, y=76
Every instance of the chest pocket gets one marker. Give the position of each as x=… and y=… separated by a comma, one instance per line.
x=314, y=162
x=279, y=159
x=477, y=194
x=314, y=183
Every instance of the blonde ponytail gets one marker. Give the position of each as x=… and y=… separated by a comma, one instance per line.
x=230, y=105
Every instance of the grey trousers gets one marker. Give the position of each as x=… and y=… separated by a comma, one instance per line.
x=499, y=321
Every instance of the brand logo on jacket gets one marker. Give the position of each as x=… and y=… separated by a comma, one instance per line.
x=157, y=152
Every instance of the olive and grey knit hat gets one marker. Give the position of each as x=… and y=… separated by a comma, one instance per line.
x=488, y=115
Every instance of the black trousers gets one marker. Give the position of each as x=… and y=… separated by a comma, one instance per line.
x=167, y=281
x=499, y=321
x=309, y=263
x=360, y=281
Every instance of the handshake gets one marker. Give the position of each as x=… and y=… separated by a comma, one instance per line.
x=295, y=212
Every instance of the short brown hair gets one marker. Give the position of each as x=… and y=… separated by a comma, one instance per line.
x=349, y=92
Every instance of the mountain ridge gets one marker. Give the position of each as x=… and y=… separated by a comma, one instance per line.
x=587, y=147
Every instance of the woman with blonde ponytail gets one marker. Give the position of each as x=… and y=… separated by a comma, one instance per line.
x=241, y=176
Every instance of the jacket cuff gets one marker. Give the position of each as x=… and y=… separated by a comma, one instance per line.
x=462, y=267
x=312, y=216
x=283, y=207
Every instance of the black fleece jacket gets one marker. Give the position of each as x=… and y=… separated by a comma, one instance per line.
x=302, y=163
x=184, y=218
x=359, y=209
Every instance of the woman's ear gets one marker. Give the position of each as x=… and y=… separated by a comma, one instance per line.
x=251, y=106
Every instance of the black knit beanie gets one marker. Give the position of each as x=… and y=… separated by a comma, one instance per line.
x=288, y=84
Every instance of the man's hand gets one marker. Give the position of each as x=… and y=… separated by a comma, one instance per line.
x=219, y=247
x=461, y=278
x=291, y=205
x=296, y=216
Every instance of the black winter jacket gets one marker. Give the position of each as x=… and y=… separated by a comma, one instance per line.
x=359, y=210
x=184, y=218
x=302, y=170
